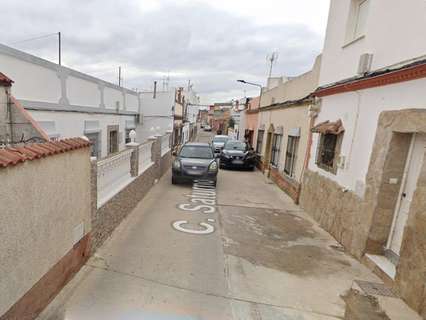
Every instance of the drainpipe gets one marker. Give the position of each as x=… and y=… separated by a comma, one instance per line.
x=313, y=115
x=9, y=111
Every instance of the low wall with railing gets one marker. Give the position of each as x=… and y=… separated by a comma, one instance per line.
x=121, y=181
x=165, y=144
x=113, y=175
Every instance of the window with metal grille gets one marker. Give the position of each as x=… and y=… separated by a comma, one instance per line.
x=276, y=149
x=95, y=148
x=290, y=155
x=327, y=151
x=127, y=138
x=113, y=141
x=259, y=142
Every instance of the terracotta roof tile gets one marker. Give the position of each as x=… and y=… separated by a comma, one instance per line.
x=14, y=155
x=4, y=80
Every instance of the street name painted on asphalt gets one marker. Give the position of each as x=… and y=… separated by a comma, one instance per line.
x=202, y=200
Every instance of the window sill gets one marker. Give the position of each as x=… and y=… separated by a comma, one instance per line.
x=351, y=42
x=332, y=170
x=290, y=179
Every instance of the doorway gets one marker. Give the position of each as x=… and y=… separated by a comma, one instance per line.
x=412, y=170
x=113, y=139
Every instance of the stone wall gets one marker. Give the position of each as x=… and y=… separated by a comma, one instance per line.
x=336, y=211
x=411, y=270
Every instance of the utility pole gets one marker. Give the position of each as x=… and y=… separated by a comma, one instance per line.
x=119, y=76
x=59, y=48
x=272, y=58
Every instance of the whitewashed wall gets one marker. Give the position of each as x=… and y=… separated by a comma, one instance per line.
x=358, y=139
x=81, y=92
x=395, y=33
x=40, y=80
x=32, y=82
x=73, y=125
x=157, y=113
x=63, y=99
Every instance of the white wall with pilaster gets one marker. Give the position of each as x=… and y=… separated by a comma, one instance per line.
x=359, y=112
x=73, y=125
x=394, y=33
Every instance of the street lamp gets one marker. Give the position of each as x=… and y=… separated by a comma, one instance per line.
x=253, y=84
x=250, y=83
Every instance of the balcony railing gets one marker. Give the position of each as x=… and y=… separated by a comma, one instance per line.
x=113, y=175
x=145, y=157
x=165, y=144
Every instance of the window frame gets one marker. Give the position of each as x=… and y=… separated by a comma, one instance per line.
x=291, y=155
x=336, y=152
x=359, y=30
x=354, y=30
x=95, y=139
x=113, y=144
x=259, y=142
x=276, y=149
x=127, y=138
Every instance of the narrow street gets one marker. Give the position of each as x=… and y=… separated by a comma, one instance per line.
x=257, y=256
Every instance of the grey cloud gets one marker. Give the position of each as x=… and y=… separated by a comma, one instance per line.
x=211, y=47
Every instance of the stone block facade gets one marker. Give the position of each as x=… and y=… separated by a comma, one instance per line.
x=363, y=225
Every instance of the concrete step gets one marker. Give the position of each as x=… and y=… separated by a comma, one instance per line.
x=361, y=306
x=382, y=267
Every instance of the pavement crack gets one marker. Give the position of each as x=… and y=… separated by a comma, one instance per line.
x=210, y=294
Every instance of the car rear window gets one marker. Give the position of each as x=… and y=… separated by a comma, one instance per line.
x=235, y=145
x=199, y=152
x=220, y=139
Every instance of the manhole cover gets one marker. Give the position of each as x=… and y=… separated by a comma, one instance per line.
x=374, y=288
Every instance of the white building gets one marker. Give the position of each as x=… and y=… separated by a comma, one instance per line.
x=191, y=101
x=362, y=181
x=158, y=110
x=68, y=103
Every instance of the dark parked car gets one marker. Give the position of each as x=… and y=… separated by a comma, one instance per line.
x=237, y=154
x=195, y=161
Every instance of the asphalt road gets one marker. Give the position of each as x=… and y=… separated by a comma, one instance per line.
x=246, y=253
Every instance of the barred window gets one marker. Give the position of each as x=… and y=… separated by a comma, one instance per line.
x=328, y=151
x=259, y=143
x=290, y=156
x=95, y=147
x=276, y=149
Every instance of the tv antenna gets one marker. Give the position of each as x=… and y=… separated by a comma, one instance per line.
x=272, y=58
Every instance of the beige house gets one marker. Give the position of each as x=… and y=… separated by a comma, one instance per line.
x=284, y=128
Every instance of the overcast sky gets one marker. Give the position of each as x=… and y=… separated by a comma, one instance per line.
x=212, y=43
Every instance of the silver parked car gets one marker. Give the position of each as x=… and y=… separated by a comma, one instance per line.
x=219, y=142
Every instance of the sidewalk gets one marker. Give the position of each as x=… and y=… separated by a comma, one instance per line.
x=266, y=260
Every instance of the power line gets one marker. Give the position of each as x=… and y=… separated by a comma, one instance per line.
x=35, y=38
